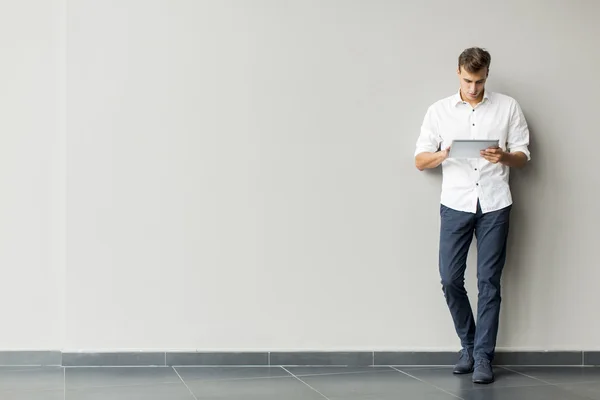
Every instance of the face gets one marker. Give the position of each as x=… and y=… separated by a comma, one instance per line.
x=472, y=85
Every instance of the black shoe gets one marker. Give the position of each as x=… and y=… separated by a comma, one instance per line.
x=465, y=362
x=483, y=372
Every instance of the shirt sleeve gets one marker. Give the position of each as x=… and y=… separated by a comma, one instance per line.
x=429, y=139
x=518, y=132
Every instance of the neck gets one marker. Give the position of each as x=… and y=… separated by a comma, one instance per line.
x=472, y=102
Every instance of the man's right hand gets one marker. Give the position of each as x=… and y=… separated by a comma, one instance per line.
x=446, y=153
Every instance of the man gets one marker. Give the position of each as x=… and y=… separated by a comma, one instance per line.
x=475, y=200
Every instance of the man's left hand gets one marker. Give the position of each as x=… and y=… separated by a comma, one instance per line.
x=494, y=154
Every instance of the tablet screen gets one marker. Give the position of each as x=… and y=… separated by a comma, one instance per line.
x=470, y=148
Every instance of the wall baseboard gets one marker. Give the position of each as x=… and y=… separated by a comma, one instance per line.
x=312, y=358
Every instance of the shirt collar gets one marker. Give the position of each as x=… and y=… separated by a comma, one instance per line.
x=487, y=97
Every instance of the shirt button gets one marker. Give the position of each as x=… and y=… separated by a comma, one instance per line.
x=473, y=124
x=473, y=110
x=477, y=184
x=475, y=169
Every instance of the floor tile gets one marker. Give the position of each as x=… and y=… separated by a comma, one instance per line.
x=546, y=392
x=588, y=390
x=189, y=374
x=561, y=374
x=31, y=378
x=167, y=391
x=288, y=388
x=375, y=385
x=33, y=395
x=308, y=371
x=445, y=379
x=118, y=376
x=312, y=383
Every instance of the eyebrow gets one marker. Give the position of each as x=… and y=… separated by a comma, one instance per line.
x=469, y=80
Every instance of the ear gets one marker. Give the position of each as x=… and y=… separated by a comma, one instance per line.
x=458, y=71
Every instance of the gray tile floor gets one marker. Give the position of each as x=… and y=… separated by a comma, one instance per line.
x=293, y=383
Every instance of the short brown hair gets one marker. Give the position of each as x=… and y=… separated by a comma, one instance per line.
x=474, y=59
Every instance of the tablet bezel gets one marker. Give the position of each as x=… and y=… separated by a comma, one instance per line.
x=471, y=145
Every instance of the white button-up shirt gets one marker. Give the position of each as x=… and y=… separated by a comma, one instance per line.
x=467, y=180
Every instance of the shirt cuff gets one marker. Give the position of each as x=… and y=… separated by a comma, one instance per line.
x=522, y=149
x=425, y=149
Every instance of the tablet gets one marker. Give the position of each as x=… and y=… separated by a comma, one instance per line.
x=469, y=148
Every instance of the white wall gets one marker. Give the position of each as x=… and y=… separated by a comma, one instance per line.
x=238, y=174
x=32, y=174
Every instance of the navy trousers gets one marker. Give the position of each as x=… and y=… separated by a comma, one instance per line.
x=456, y=233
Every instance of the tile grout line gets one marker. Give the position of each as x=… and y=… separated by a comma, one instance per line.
x=346, y=373
x=238, y=379
x=528, y=376
x=427, y=383
x=126, y=385
x=325, y=397
x=185, y=384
